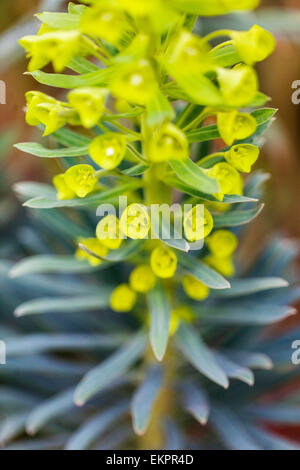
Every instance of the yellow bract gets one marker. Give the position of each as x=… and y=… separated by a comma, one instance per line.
x=163, y=262
x=134, y=82
x=190, y=52
x=142, y=279
x=168, y=143
x=254, y=45
x=89, y=102
x=123, y=299
x=107, y=232
x=81, y=179
x=108, y=150
x=235, y=126
x=93, y=245
x=34, y=98
x=135, y=222
x=198, y=223
x=222, y=243
x=224, y=265
x=194, y=288
x=106, y=22
x=242, y=156
x=238, y=85
x=63, y=190
x=228, y=178
x=58, y=47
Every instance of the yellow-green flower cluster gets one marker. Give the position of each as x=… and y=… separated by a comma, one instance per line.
x=144, y=83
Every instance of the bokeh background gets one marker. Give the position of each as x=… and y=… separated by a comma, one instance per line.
x=280, y=156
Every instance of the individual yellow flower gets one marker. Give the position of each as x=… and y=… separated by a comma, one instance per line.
x=228, y=178
x=63, y=190
x=134, y=82
x=81, y=179
x=107, y=232
x=142, y=279
x=179, y=314
x=108, y=150
x=238, y=85
x=194, y=288
x=34, y=98
x=163, y=262
x=135, y=222
x=58, y=47
x=224, y=265
x=198, y=223
x=89, y=102
x=93, y=245
x=122, y=299
x=190, y=52
x=234, y=125
x=168, y=143
x=106, y=22
x=242, y=156
x=222, y=243
x=254, y=45
x=52, y=115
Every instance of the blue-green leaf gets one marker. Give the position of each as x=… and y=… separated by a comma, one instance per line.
x=160, y=320
x=199, y=355
x=144, y=399
x=241, y=287
x=237, y=217
x=84, y=437
x=196, y=402
x=110, y=369
x=201, y=271
x=194, y=176
x=39, y=150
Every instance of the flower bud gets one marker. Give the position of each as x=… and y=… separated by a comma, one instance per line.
x=168, y=143
x=81, y=179
x=63, y=190
x=254, y=45
x=134, y=82
x=198, y=223
x=93, y=245
x=142, y=279
x=222, y=243
x=135, y=222
x=123, y=299
x=228, y=178
x=242, y=156
x=163, y=262
x=108, y=150
x=58, y=47
x=89, y=102
x=194, y=288
x=235, y=126
x=238, y=85
x=224, y=266
x=107, y=232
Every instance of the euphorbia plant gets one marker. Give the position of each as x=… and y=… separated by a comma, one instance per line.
x=133, y=123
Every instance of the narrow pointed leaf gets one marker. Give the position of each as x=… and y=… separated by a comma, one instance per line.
x=236, y=218
x=199, y=355
x=241, y=287
x=233, y=370
x=201, y=271
x=144, y=399
x=194, y=176
x=159, y=320
x=196, y=402
x=110, y=369
x=38, y=150
x=65, y=304
x=84, y=437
